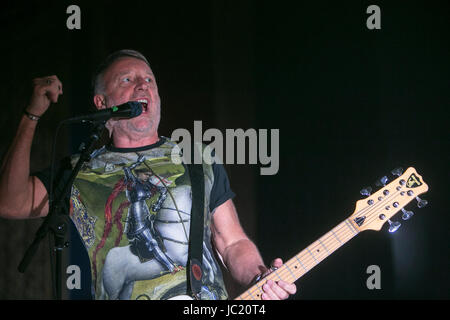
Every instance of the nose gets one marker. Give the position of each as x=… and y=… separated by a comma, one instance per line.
x=141, y=84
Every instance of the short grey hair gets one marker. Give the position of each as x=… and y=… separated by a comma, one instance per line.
x=97, y=79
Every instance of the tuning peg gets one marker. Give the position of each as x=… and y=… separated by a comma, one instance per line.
x=407, y=214
x=397, y=171
x=393, y=226
x=366, y=191
x=421, y=202
x=382, y=181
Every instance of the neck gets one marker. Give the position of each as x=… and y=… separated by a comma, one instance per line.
x=125, y=141
x=306, y=259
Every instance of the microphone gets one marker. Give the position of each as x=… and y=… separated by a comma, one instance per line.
x=128, y=110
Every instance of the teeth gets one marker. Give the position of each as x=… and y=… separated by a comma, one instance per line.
x=145, y=103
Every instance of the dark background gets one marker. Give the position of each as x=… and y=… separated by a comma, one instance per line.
x=350, y=103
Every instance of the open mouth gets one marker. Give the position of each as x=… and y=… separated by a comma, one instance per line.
x=144, y=103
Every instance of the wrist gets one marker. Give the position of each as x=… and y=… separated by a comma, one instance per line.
x=31, y=116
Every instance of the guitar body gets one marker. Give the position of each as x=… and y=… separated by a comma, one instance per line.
x=181, y=297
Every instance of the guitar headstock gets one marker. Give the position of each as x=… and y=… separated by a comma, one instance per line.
x=374, y=211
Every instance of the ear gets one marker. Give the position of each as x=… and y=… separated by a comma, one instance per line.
x=100, y=101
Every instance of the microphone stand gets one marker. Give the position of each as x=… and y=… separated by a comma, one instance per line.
x=56, y=220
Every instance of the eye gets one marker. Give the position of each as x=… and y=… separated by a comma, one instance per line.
x=148, y=79
x=126, y=79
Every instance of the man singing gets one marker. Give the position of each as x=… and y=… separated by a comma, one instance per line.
x=138, y=249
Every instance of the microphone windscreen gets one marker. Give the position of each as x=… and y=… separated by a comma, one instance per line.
x=136, y=108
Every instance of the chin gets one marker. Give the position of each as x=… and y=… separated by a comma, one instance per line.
x=140, y=125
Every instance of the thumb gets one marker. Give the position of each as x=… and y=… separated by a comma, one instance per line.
x=277, y=263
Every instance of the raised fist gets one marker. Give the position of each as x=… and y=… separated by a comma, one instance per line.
x=45, y=91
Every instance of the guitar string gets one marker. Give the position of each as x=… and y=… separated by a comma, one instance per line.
x=371, y=217
x=394, y=196
x=377, y=204
x=285, y=271
x=282, y=273
x=342, y=230
x=307, y=259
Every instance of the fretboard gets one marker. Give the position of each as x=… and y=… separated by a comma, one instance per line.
x=306, y=259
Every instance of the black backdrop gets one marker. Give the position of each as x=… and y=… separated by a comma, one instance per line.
x=350, y=103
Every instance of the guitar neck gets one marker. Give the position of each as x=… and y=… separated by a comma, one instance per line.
x=306, y=259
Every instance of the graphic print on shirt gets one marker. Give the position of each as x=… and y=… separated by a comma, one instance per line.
x=140, y=249
x=83, y=222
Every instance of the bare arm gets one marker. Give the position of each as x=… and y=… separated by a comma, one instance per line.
x=240, y=254
x=21, y=195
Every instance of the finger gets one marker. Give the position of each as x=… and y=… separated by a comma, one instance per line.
x=53, y=82
x=52, y=94
x=53, y=88
x=43, y=85
x=58, y=84
x=45, y=81
x=290, y=288
x=49, y=82
x=269, y=294
x=278, y=291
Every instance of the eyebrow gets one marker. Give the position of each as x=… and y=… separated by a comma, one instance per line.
x=128, y=72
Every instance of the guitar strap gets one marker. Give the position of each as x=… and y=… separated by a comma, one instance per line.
x=195, y=252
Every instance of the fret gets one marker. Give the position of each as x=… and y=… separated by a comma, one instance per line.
x=301, y=263
x=351, y=227
x=307, y=260
x=312, y=255
x=332, y=241
x=323, y=247
x=290, y=271
x=276, y=273
x=253, y=298
x=315, y=252
x=336, y=236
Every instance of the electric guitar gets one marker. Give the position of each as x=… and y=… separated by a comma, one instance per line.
x=371, y=213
